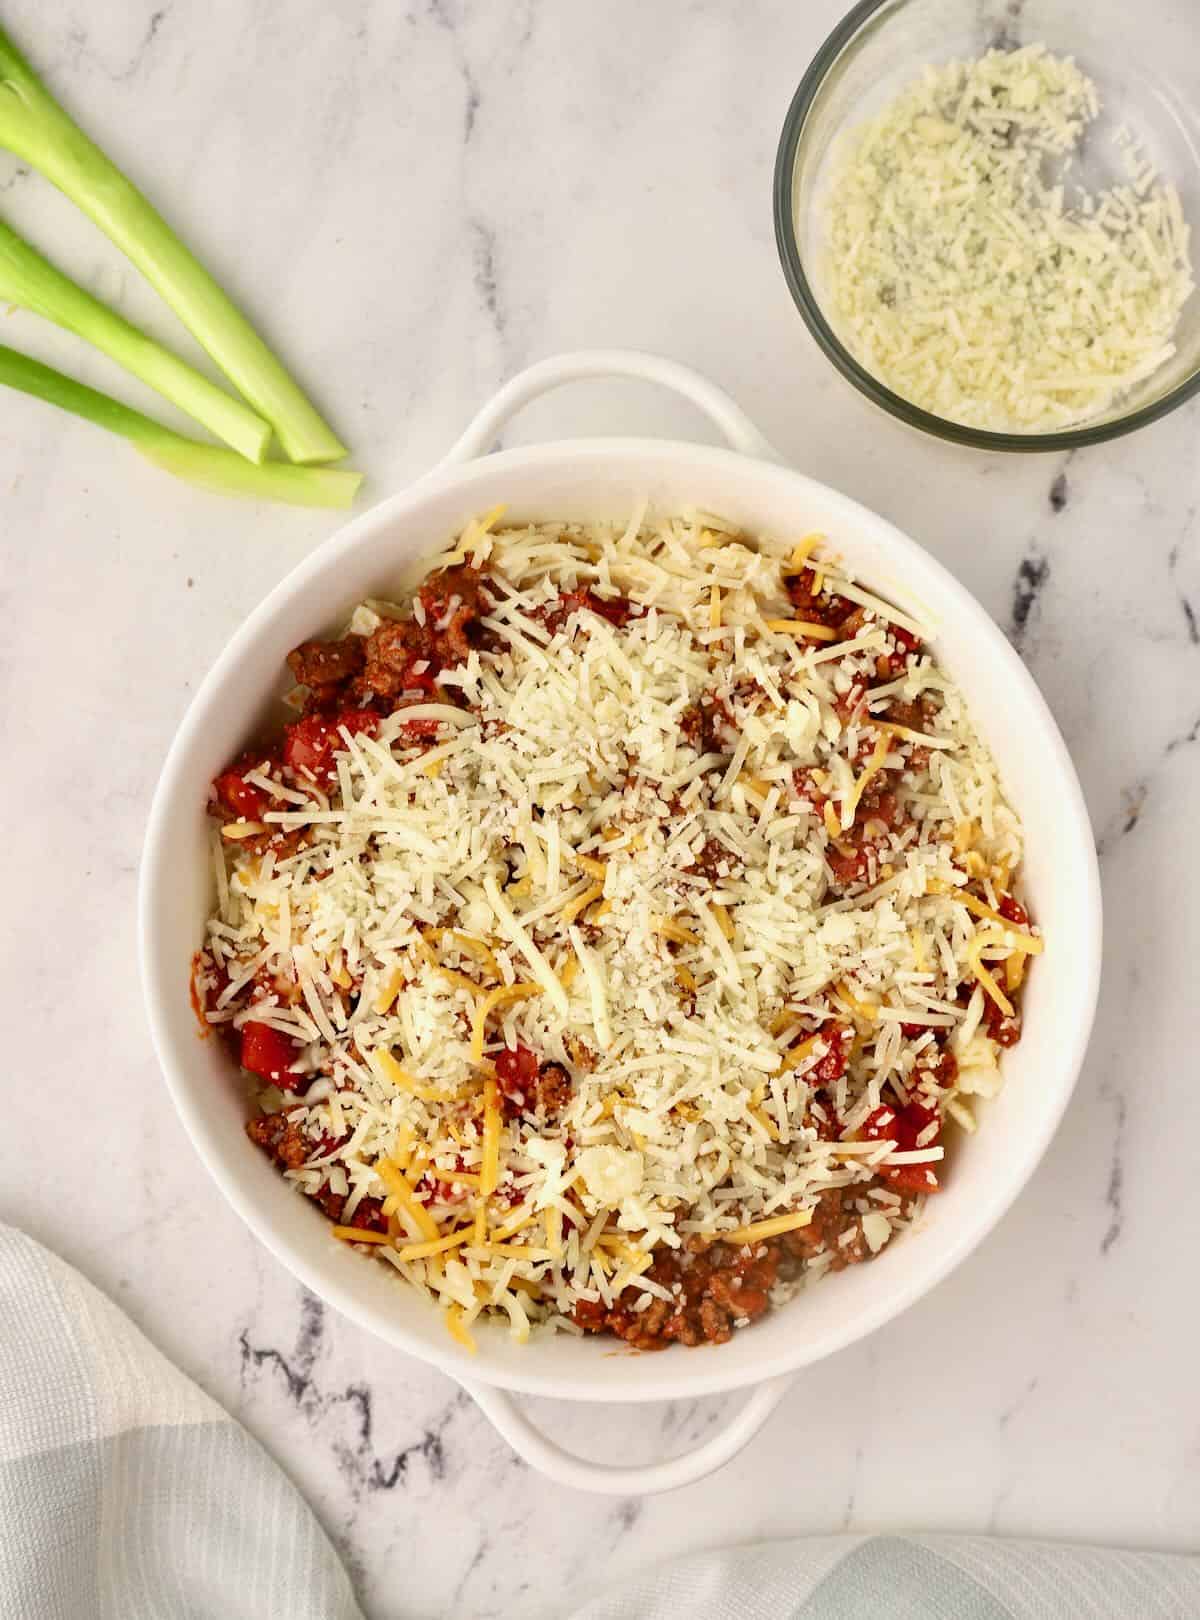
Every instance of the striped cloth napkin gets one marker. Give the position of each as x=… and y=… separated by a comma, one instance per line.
x=911, y=1578
x=125, y=1493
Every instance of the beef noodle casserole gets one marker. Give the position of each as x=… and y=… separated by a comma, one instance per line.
x=619, y=928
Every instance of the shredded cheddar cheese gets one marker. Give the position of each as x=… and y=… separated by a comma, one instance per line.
x=759, y=1231
x=388, y=1069
x=389, y=990
x=861, y=1009
x=489, y=1175
x=399, y=1187
x=456, y=1329
x=982, y=941
x=235, y=831
x=592, y=867
x=724, y=920
x=674, y=931
x=442, y=1245
x=575, y=907
x=800, y=555
x=805, y=628
x=358, y=1234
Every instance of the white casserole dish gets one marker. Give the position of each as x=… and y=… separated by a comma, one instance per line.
x=604, y=478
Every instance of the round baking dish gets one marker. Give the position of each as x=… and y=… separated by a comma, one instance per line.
x=376, y=554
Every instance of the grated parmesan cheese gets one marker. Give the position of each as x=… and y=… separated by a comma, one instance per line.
x=972, y=274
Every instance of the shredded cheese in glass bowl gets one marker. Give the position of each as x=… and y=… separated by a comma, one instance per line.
x=621, y=931
x=985, y=218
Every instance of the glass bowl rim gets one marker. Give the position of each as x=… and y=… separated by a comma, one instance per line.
x=834, y=350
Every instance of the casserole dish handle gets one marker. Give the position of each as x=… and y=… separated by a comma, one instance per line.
x=726, y=416
x=610, y=1479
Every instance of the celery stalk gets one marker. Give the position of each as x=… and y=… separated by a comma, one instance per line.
x=31, y=281
x=36, y=128
x=206, y=464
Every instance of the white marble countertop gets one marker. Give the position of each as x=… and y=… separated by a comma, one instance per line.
x=415, y=200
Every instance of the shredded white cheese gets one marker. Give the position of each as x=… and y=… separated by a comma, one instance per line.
x=973, y=274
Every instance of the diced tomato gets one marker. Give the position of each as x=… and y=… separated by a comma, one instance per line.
x=904, y=1126
x=1005, y=1031
x=936, y=1065
x=239, y=797
x=616, y=609
x=555, y=614
x=882, y=1125
x=913, y=1121
x=839, y=1038
x=889, y=666
x=906, y=646
x=516, y=1072
x=590, y=1315
x=310, y=744
x=269, y=1053
x=436, y=1191
x=912, y=1178
x=1013, y=911
x=900, y=1125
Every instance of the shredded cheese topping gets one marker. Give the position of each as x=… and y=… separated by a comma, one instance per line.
x=654, y=855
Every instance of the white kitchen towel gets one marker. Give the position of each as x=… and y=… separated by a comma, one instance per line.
x=911, y=1578
x=125, y=1493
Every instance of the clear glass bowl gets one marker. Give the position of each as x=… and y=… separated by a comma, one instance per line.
x=1146, y=64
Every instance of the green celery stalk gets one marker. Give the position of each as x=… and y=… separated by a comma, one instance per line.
x=28, y=279
x=36, y=128
x=206, y=464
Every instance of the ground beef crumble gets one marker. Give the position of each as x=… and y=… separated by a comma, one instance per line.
x=718, y=1288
